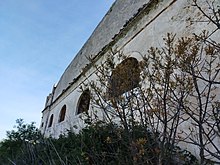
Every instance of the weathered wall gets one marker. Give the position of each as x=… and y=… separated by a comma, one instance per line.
x=147, y=30
x=111, y=24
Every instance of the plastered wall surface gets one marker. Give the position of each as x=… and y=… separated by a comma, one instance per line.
x=149, y=29
x=111, y=24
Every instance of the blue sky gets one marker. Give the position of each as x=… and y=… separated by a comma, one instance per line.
x=38, y=39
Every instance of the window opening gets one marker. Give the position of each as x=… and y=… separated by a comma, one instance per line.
x=84, y=101
x=125, y=77
x=62, y=114
x=50, y=121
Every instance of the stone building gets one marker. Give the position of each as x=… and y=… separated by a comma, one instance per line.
x=130, y=26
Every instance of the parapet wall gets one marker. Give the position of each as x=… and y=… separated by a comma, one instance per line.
x=112, y=23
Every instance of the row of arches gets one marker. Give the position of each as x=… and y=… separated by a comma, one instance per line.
x=125, y=77
x=83, y=106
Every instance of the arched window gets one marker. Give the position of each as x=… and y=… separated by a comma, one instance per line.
x=62, y=114
x=50, y=121
x=84, y=101
x=125, y=77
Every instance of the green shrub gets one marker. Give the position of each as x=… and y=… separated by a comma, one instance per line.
x=99, y=143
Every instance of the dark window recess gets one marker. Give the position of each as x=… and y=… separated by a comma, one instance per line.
x=125, y=77
x=50, y=121
x=42, y=124
x=62, y=114
x=84, y=101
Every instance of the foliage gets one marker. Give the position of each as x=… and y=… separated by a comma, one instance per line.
x=175, y=99
x=19, y=142
x=24, y=132
x=99, y=143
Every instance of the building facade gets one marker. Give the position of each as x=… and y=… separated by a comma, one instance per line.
x=132, y=27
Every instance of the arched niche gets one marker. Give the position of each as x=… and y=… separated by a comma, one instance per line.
x=50, y=121
x=125, y=77
x=62, y=114
x=83, y=103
